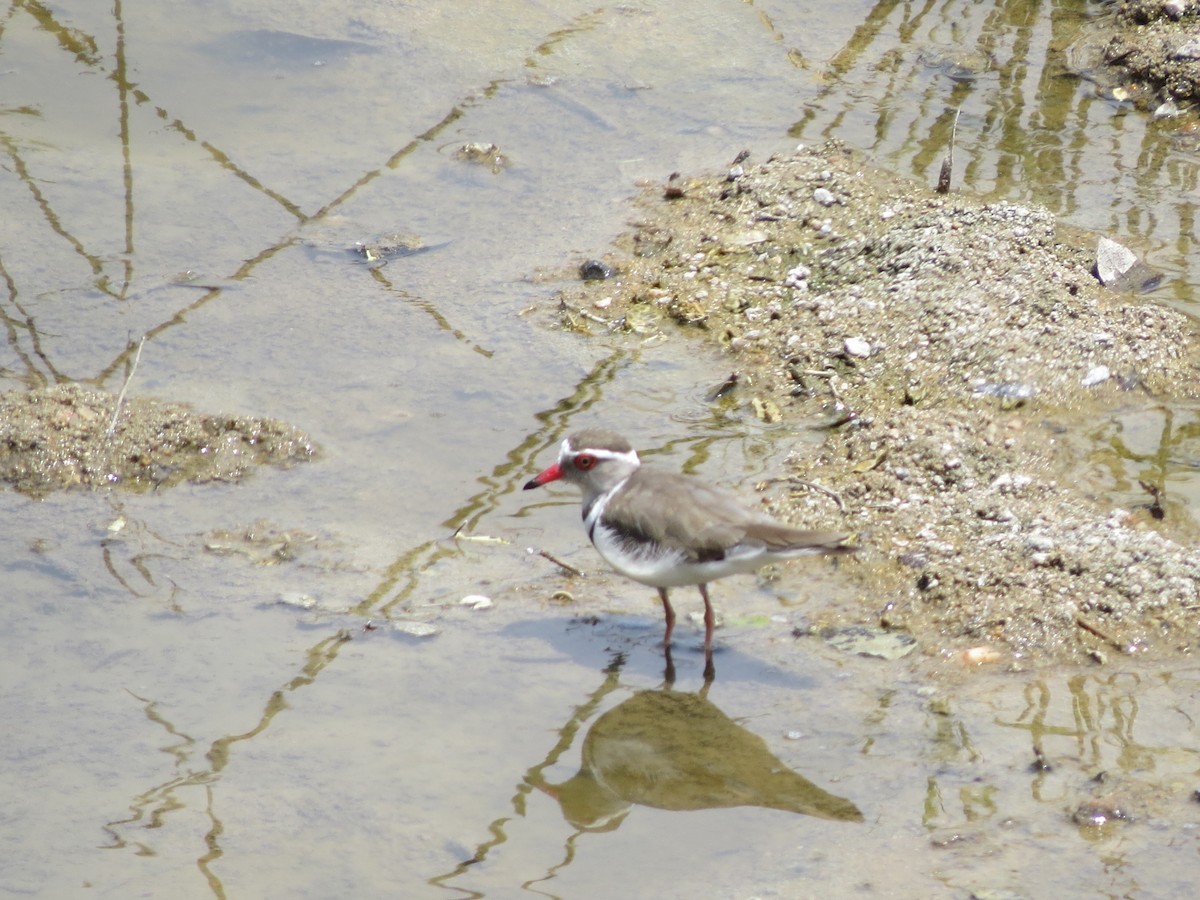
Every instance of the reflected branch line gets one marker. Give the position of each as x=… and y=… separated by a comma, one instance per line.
x=85, y=49
x=403, y=576
x=534, y=779
x=149, y=809
x=14, y=326
x=120, y=76
x=23, y=174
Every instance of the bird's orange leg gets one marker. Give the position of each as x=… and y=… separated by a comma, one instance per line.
x=670, y=614
x=708, y=618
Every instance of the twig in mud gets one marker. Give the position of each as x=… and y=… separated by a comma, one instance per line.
x=570, y=570
x=947, y=172
x=813, y=486
x=810, y=485
x=1092, y=629
x=1156, y=495
x=563, y=306
x=121, y=396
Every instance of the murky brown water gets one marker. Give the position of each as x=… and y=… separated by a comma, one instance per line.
x=173, y=730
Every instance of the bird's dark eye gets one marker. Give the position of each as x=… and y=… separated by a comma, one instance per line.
x=584, y=461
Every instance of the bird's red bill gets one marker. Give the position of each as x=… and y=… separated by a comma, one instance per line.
x=551, y=474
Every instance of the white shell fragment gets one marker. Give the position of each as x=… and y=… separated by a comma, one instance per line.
x=1096, y=375
x=824, y=196
x=1113, y=260
x=856, y=346
x=749, y=238
x=1169, y=109
x=415, y=629
x=1189, y=49
x=297, y=600
x=797, y=276
x=476, y=601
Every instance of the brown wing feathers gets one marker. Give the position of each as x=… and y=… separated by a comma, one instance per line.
x=705, y=527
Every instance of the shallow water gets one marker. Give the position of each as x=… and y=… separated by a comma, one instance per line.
x=199, y=174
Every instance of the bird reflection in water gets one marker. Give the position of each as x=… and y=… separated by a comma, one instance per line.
x=662, y=748
x=677, y=751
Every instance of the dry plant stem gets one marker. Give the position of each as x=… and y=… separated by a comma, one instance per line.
x=121, y=396
x=570, y=570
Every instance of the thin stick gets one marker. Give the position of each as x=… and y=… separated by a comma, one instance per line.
x=813, y=486
x=1092, y=629
x=943, y=185
x=121, y=396
x=558, y=562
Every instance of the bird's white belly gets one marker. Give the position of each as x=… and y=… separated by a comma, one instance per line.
x=660, y=566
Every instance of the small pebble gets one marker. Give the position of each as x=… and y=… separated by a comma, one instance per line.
x=596, y=270
x=1096, y=375
x=824, y=197
x=476, y=601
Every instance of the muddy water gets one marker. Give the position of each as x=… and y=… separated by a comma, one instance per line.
x=198, y=175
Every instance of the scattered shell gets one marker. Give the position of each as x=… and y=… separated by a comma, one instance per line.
x=1096, y=375
x=415, y=629
x=1113, y=260
x=797, y=276
x=824, y=196
x=394, y=246
x=766, y=410
x=1167, y=110
x=978, y=656
x=1100, y=811
x=856, y=346
x=1189, y=49
x=1006, y=482
x=116, y=525
x=1039, y=542
x=299, y=601
x=476, y=601
x=479, y=538
x=749, y=238
x=641, y=319
x=482, y=154
x=871, y=642
x=1010, y=390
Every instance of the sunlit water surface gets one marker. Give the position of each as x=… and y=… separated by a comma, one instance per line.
x=197, y=173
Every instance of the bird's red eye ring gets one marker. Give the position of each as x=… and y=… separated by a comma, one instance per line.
x=584, y=461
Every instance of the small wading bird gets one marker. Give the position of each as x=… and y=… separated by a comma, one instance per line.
x=668, y=530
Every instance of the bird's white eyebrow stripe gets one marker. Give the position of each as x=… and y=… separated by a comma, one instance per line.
x=628, y=456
